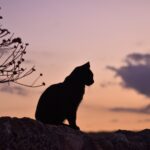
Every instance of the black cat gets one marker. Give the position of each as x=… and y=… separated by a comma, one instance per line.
x=60, y=101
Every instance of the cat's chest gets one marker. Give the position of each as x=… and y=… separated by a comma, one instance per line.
x=73, y=93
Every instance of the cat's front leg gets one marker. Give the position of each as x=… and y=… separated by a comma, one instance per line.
x=72, y=120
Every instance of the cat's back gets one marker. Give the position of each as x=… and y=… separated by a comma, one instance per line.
x=49, y=99
x=52, y=91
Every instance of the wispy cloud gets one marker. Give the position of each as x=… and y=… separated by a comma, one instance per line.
x=143, y=121
x=135, y=73
x=114, y=120
x=107, y=84
x=143, y=110
x=13, y=90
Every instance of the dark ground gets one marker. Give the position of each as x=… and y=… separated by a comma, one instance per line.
x=28, y=134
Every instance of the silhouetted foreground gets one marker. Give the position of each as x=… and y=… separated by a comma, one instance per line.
x=28, y=134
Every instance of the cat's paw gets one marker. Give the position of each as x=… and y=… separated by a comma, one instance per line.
x=75, y=127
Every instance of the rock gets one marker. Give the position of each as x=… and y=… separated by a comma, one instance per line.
x=29, y=134
x=122, y=140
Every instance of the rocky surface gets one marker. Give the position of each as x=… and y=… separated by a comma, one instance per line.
x=28, y=134
x=122, y=140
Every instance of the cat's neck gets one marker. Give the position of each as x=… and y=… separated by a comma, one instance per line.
x=74, y=84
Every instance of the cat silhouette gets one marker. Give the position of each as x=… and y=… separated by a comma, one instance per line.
x=60, y=101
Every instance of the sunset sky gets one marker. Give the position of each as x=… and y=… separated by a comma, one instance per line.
x=114, y=35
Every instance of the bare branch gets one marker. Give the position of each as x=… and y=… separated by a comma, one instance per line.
x=12, y=51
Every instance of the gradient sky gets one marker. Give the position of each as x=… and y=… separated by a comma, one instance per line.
x=64, y=34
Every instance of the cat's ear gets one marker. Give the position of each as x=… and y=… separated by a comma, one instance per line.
x=87, y=65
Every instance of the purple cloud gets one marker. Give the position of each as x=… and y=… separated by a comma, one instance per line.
x=135, y=74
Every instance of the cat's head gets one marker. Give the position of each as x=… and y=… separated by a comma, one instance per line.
x=82, y=75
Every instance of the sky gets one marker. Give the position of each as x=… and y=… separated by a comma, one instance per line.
x=113, y=35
